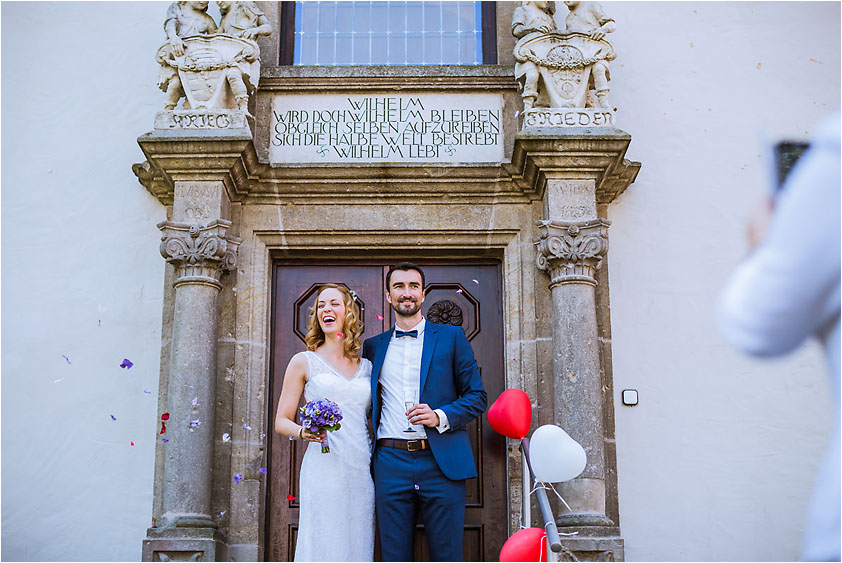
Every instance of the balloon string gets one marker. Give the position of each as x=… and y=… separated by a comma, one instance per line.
x=542, y=485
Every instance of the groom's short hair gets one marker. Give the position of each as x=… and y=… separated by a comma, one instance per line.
x=404, y=266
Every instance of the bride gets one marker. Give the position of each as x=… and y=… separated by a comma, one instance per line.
x=336, y=519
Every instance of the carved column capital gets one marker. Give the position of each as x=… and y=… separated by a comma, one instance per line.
x=201, y=253
x=571, y=252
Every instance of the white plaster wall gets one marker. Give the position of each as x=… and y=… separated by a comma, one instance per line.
x=81, y=277
x=717, y=461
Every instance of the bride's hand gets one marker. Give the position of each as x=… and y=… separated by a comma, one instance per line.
x=308, y=436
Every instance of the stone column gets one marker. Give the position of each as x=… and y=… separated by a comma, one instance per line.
x=570, y=252
x=200, y=254
x=576, y=172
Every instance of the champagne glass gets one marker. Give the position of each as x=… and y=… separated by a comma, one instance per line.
x=410, y=399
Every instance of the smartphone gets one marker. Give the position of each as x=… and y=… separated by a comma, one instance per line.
x=787, y=154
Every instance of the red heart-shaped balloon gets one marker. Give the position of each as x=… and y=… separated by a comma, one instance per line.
x=525, y=545
x=511, y=414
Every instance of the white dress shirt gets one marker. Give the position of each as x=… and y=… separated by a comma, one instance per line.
x=401, y=372
x=788, y=290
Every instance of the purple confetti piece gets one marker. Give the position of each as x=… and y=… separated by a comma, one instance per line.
x=475, y=281
x=417, y=488
x=99, y=323
x=517, y=113
x=195, y=423
x=147, y=391
x=459, y=291
x=226, y=437
x=113, y=417
x=262, y=470
x=127, y=363
x=66, y=359
x=246, y=427
x=262, y=435
x=195, y=402
x=223, y=513
x=165, y=440
x=291, y=438
x=237, y=478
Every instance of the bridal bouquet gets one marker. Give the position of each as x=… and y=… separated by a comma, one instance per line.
x=321, y=414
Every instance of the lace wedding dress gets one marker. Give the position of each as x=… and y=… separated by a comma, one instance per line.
x=336, y=519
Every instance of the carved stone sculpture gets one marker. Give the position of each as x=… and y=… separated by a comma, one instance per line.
x=199, y=60
x=567, y=69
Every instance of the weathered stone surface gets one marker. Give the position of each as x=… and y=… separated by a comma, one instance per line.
x=567, y=69
x=211, y=70
x=354, y=210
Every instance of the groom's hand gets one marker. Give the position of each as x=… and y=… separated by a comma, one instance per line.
x=423, y=414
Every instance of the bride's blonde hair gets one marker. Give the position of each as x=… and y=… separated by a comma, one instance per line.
x=352, y=326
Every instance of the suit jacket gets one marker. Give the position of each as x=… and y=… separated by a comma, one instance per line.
x=450, y=381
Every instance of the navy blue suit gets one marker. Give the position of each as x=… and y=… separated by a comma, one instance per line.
x=428, y=479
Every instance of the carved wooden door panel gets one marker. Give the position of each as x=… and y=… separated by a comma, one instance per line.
x=466, y=295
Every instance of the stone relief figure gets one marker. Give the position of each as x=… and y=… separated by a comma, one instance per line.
x=530, y=21
x=183, y=19
x=244, y=20
x=568, y=69
x=199, y=60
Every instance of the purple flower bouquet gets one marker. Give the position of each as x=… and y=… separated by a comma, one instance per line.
x=321, y=414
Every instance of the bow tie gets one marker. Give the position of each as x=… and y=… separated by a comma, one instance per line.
x=400, y=333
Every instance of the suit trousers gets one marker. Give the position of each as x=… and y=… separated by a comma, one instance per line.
x=404, y=482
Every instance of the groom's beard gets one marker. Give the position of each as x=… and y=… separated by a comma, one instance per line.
x=406, y=308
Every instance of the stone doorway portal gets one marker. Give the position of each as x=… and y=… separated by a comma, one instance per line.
x=467, y=294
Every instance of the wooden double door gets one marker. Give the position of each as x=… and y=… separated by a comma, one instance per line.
x=464, y=294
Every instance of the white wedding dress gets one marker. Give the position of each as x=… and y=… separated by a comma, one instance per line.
x=336, y=518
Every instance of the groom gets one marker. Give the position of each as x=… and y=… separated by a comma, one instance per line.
x=422, y=455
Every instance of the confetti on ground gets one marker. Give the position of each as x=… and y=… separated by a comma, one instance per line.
x=165, y=440
x=147, y=391
x=417, y=488
x=195, y=402
x=459, y=291
x=262, y=470
x=57, y=380
x=195, y=423
x=165, y=416
x=226, y=437
x=66, y=359
x=290, y=498
x=246, y=427
x=99, y=323
x=113, y=417
x=163, y=427
x=517, y=113
x=475, y=281
x=223, y=513
x=340, y=335
x=127, y=363
x=237, y=477
x=379, y=317
x=262, y=435
x=132, y=443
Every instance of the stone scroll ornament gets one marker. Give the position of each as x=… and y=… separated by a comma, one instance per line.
x=563, y=68
x=201, y=252
x=572, y=252
x=211, y=67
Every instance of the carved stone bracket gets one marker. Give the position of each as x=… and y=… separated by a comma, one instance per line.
x=201, y=253
x=571, y=252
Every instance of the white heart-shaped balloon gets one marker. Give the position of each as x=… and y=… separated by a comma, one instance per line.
x=555, y=456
